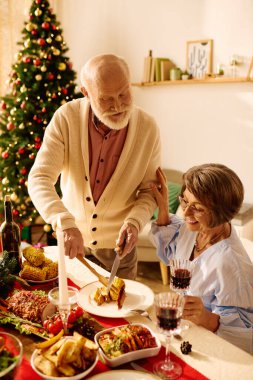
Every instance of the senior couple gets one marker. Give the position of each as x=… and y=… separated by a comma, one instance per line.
x=107, y=152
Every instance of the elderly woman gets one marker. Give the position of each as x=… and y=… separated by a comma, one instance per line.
x=221, y=288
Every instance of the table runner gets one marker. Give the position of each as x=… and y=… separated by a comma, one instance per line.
x=25, y=370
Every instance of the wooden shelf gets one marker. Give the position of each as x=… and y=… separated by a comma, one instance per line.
x=194, y=81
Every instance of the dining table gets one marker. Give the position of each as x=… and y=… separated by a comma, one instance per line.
x=211, y=357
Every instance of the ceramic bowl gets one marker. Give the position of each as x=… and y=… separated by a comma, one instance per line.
x=78, y=376
x=131, y=355
x=13, y=346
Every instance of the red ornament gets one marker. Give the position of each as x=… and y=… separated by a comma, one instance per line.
x=26, y=59
x=64, y=91
x=21, y=151
x=3, y=106
x=34, y=32
x=53, y=27
x=23, y=105
x=38, y=1
x=54, y=96
x=37, y=62
x=41, y=41
x=70, y=65
x=10, y=126
x=49, y=57
x=39, y=121
x=50, y=76
x=21, y=181
x=32, y=156
x=18, y=82
x=31, y=17
x=5, y=155
x=35, y=117
x=43, y=110
x=37, y=139
x=23, y=171
x=45, y=25
x=37, y=146
x=15, y=212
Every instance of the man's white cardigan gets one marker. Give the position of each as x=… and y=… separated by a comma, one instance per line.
x=65, y=152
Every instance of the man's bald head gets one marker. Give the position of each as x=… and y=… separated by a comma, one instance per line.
x=102, y=68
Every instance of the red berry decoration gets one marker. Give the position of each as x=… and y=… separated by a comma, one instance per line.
x=32, y=156
x=45, y=25
x=5, y=155
x=22, y=105
x=21, y=151
x=35, y=117
x=26, y=59
x=53, y=27
x=10, y=126
x=37, y=62
x=23, y=171
x=54, y=96
x=37, y=146
x=43, y=110
x=34, y=32
x=50, y=76
x=41, y=41
x=64, y=91
x=15, y=212
x=31, y=17
x=37, y=139
x=3, y=106
x=21, y=181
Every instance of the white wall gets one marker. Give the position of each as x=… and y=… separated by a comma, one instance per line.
x=198, y=123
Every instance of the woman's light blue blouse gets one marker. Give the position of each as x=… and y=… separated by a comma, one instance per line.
x=222, y=277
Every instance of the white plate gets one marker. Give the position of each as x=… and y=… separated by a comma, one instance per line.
x=138, y=296
x=123, y=375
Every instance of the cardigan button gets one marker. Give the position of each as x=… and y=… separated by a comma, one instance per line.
x=94, y=229
x=86, y=178
x=88, y=199
x=94, y=242
x=94, y=216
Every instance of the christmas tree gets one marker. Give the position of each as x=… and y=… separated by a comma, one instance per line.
x=41, y=80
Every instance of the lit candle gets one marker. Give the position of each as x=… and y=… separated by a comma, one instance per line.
x=63, y=285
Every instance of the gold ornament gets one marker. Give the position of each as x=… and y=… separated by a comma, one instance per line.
x=43, y=68
x=63, y=101
x=62, y=66
x=23, y=207
x=13, y=111
x=14, y=197
x=58, y=38
x=58, y=76
x=49, y=40
x=5, y=181
x=23, y=88
x=38, y=77
x=18, y=56
x=47, y=228
x=21, y=126
x=38, y=12
x=29, y=27
x=56, y=51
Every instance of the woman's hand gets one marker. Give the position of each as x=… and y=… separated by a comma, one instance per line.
x=161, y=197
x=195, y=311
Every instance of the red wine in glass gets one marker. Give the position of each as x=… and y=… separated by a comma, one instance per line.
x=180, y=279
x=168, y=319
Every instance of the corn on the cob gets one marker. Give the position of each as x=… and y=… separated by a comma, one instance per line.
x=30, y=272
x=52, y=270
x=35, y=256
x=46, y=262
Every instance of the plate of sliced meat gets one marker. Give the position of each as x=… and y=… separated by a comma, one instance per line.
x=136, y=296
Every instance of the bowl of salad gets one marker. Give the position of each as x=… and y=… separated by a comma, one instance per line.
x=122, y=344
x=11, y=350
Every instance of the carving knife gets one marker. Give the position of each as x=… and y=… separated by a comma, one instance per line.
x=113, y=271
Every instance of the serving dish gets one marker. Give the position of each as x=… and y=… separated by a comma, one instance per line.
x=123, y=374
x=14, y=347
x=125, y=334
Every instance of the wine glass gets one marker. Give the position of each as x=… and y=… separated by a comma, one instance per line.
x=169, y=308
x=64, y=310
x=180, y=279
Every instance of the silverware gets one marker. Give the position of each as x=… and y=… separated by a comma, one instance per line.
x=113, y=271
x=143, y=313
x=137, y=367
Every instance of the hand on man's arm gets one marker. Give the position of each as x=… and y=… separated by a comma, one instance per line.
x=73, y=242
x=127, y=239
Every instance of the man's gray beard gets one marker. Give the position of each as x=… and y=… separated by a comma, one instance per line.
x=117, y=125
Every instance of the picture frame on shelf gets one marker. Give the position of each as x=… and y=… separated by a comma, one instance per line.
x=199, y=56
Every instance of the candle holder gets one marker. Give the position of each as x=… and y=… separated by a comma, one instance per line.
x=64, y=309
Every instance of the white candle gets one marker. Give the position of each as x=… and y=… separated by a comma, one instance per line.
x=63, y=285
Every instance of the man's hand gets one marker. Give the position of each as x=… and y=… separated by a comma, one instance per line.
x=73, y=242
x=195, y=311
x=127, y=239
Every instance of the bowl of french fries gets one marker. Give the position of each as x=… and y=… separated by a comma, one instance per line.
x=65, y=357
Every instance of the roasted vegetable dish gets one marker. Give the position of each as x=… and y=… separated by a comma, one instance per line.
x=124, y=339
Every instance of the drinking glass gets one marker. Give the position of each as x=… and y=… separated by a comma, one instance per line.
x=180, y=279
x=64, y=310
x=169, y=308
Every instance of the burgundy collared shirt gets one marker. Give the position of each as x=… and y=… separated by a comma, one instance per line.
x=105, y=147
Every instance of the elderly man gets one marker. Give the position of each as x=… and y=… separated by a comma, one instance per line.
x=107, y=151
